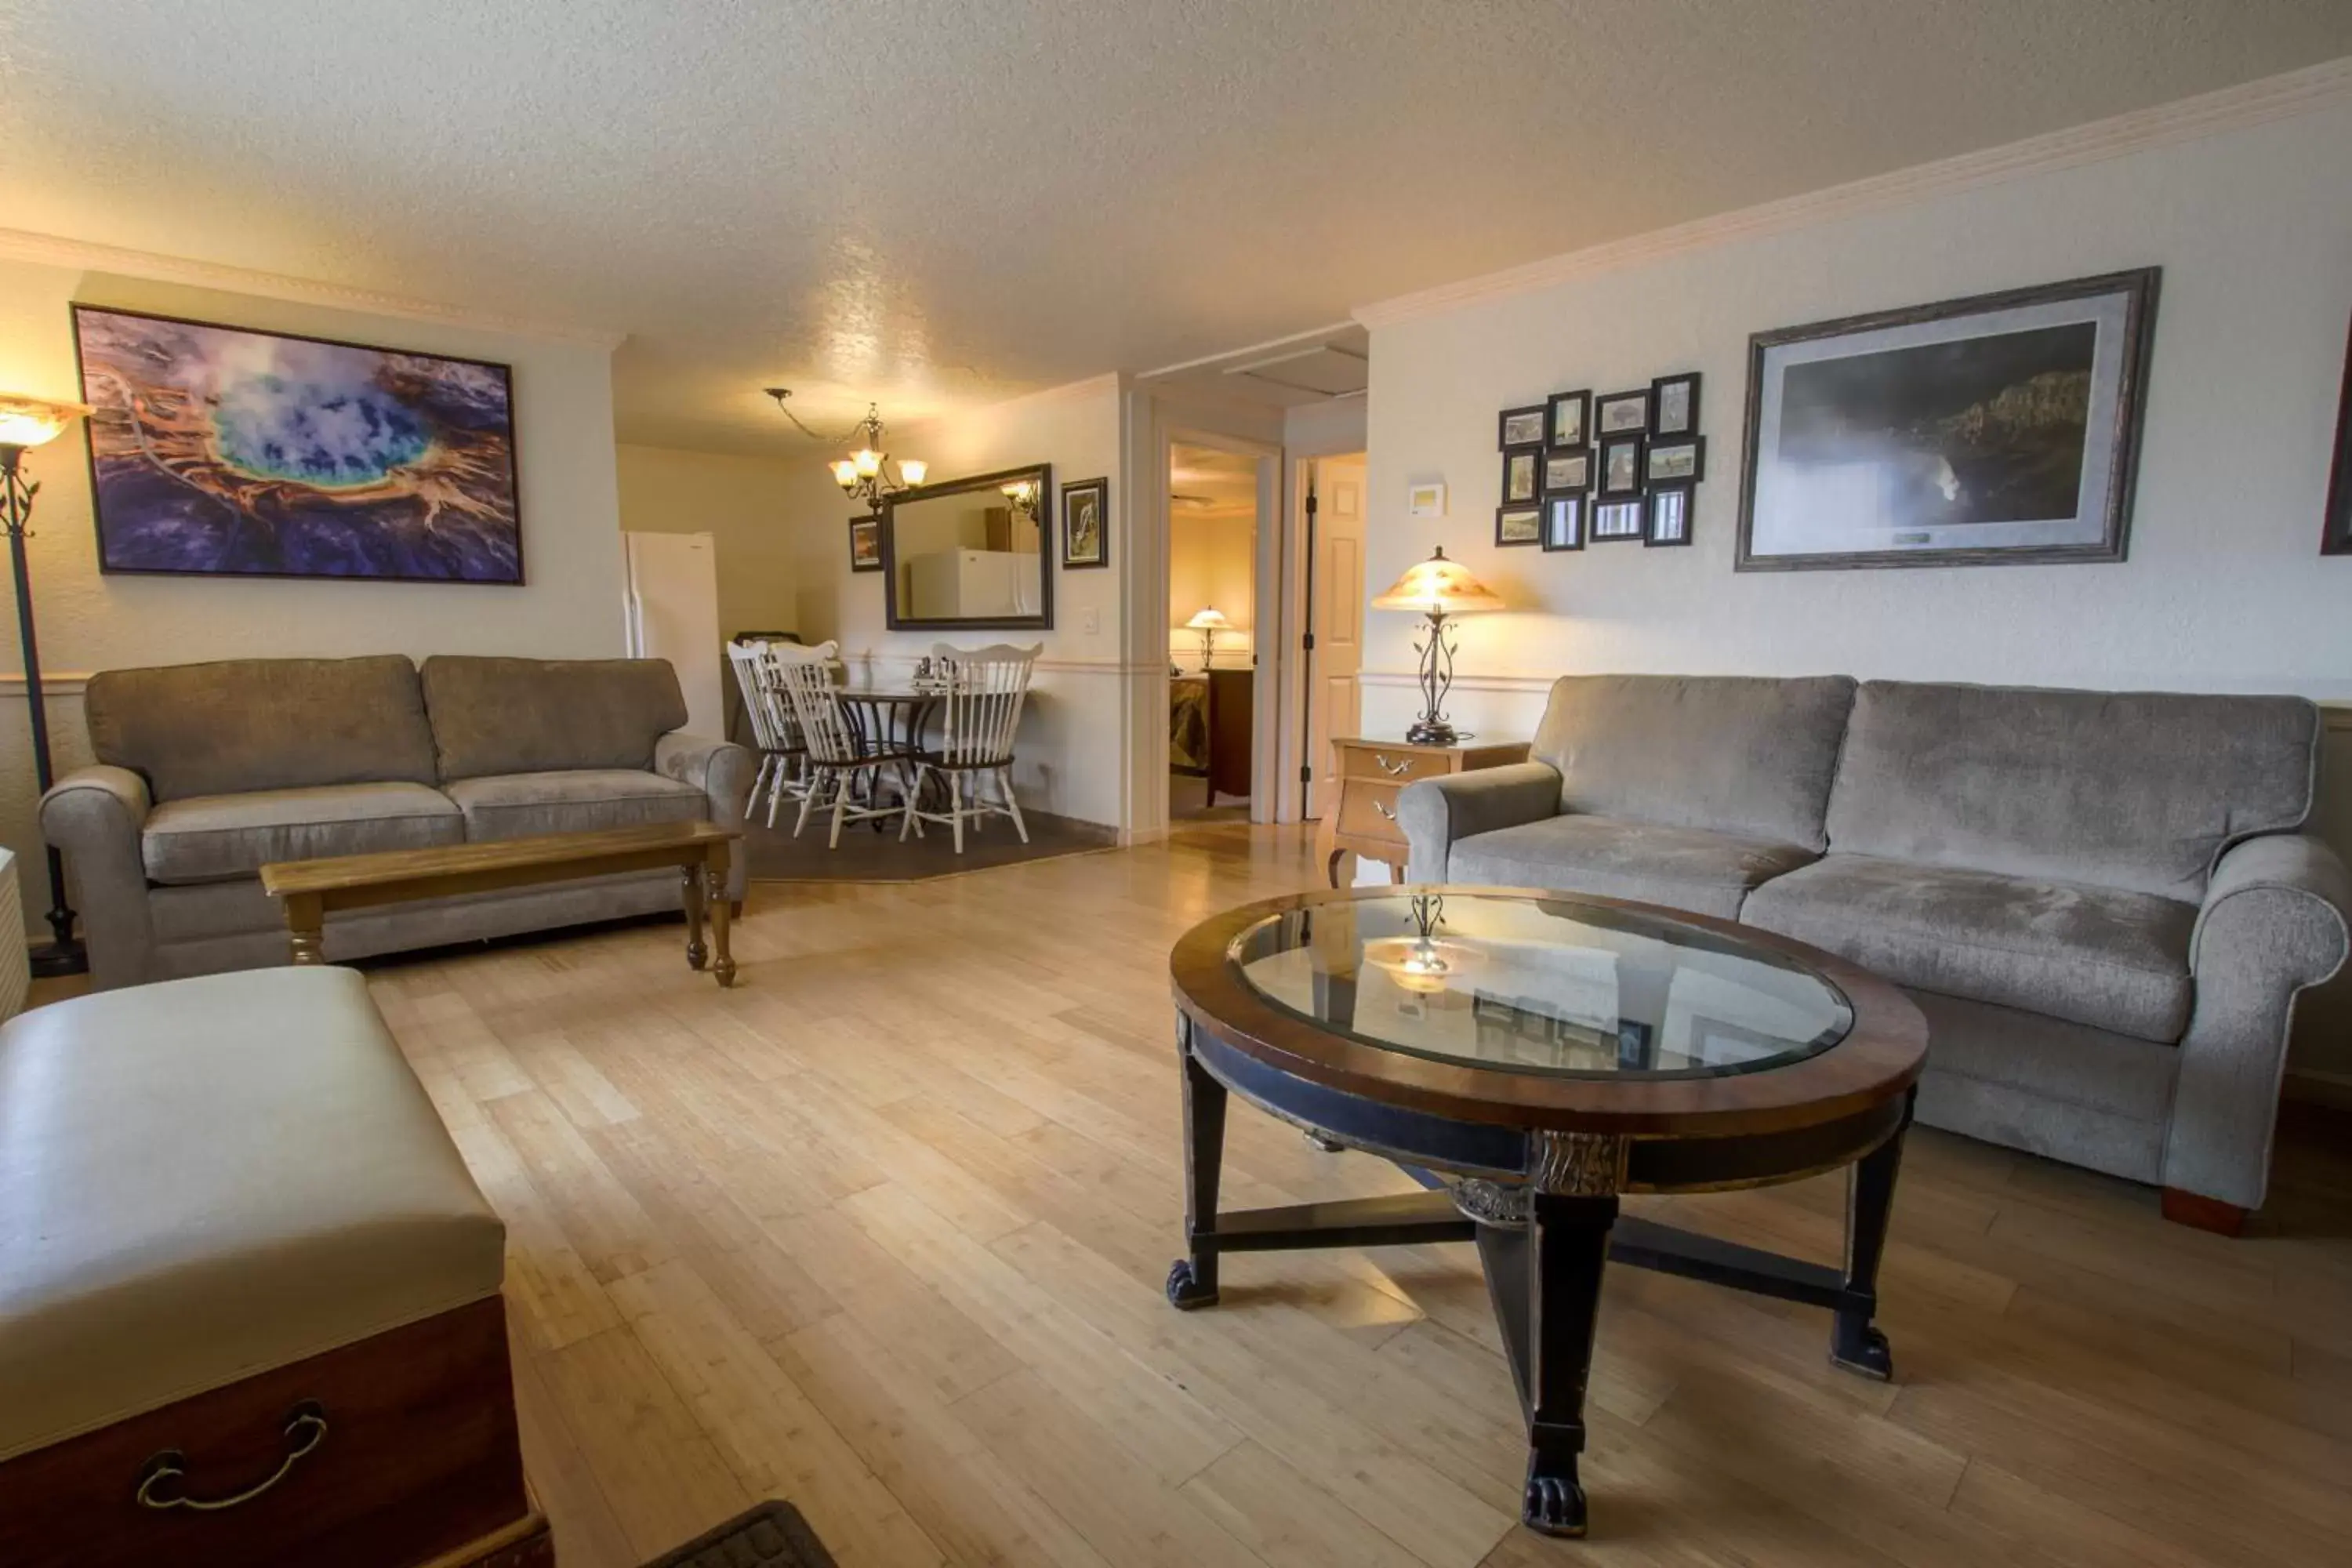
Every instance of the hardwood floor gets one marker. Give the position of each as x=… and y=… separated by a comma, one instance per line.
x=883, y=1232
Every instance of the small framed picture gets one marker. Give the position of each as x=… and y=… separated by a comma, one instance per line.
x=1669, y=515
x=1567, y=473
x=1522, y=428
x=1518, y=525
x=1673, y=404
x=1678, y=462
x=1086, y=515
x=1620, y=466
x=1572, y=419
x=1623, y=413
x=1564, y=522
x=865, y=545
x=1617, y=520
x=1522, y=475
x=1426, y=498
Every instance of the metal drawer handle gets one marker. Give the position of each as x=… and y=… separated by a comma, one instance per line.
x=1394, y=769
x=1384, y=811
x=306, y=1428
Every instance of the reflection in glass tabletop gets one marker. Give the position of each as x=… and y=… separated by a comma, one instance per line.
x=1536, y=984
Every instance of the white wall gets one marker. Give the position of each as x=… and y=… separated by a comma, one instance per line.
x=744, y=503
x=2224, y=588
x=570, y=534
x=1069, y=755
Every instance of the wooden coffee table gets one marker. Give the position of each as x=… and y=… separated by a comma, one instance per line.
x=1531, y=1056
x=313, y=890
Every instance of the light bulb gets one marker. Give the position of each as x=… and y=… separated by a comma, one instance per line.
x=844, y=474
x=867, y=462
x=912, y=470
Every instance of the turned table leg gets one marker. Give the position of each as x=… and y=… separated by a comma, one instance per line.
x=691, y=882
x=714, y=872
x=306, y=927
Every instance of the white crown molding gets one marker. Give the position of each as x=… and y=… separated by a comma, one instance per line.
x=54, y=250
x=2189, y=119
x=1271, y=345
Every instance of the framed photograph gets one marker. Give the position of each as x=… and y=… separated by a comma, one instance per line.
x=1564, y=522
x=1522, y=428
x=1522, y=475
x=220, y=451
x=865, y=543
x=1616, y=520
x=1677, y=462
x=1572, y=419
x=1425, y=500
x=1623, y=413
x=1568, y=472
x=2335, y=536
x=1518, y=525
x=1673, y=404
x=1998, y=430
x=1666, y=517
x=1085, y=524
x=1620, y=466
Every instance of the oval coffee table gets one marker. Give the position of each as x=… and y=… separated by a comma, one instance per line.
x=1530, y=1057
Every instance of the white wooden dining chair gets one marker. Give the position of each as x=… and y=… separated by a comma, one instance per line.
x=980, y=703
x=837, y=764
x=783, y=773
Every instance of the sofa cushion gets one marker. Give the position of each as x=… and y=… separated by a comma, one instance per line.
x=534, y=715
x=582, y=799
x=261, y=723
x=1687, y=867
x=2100, y=956
x=1730, y=753
x=213, y=838
x=2136, y=790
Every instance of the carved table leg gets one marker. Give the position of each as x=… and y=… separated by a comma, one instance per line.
x=306, y=928
x=1192, y=1282
x=722, y=915
x=1855, y=1343
x=691, y=881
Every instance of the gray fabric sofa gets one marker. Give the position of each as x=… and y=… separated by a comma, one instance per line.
x=207, y=771
x=2105, y=902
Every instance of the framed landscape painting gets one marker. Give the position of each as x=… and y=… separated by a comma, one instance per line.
x=222, y=451
x=2002, y=429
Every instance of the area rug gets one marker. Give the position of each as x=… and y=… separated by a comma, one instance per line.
x=867, y=856
x=773, y=1535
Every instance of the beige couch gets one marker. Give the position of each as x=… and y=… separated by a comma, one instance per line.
x=206, y=771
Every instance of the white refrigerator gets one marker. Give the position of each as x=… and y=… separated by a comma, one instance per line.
x=671, y=600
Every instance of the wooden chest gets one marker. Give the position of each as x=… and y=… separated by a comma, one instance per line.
x=1369, y=774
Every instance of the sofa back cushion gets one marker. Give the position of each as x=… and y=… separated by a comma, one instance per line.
x=262, y=723
x=2114, y=789
x=1736, y=754
x=542, y=715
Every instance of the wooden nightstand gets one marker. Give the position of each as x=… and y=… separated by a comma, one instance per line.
x=1371, y=773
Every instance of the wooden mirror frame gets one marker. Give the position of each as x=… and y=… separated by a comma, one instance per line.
x=1042, y=473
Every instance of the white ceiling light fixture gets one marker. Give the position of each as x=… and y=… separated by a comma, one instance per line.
x=860, y=474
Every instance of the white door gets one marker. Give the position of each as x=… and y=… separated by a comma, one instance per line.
x=673, y=613
x=1336, y=617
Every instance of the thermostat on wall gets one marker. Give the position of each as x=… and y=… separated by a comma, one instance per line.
x=1425, y=500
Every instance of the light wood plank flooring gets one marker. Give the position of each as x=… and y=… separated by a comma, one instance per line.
x=883, y=1232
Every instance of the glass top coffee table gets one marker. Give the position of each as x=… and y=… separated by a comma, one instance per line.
x=1530, y=1057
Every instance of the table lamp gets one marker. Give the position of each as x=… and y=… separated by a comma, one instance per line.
x=30, y=422
x=1208, y=623
x=1437, y=588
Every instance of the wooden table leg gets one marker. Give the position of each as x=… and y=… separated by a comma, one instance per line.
x=722, y=913
x=306, y=927
x=691, y=886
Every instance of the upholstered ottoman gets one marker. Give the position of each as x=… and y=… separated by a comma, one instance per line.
x=249, y=1301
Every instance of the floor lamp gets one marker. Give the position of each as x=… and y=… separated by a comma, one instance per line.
x=29, y=421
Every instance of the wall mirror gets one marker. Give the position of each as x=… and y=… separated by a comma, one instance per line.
x=971, y=552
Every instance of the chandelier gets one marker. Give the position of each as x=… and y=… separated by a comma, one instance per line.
x=860, y=475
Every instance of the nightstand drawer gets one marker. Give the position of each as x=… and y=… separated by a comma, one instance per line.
x=1367, y=809
x=1397, y=763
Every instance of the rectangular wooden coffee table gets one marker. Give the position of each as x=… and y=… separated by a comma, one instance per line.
x=313, y=890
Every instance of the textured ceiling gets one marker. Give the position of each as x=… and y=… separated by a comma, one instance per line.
x=938, y=201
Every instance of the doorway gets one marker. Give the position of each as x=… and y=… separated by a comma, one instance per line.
x=1212, y=619
x=1334, y=646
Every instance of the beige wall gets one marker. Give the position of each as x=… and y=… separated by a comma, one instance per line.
x=1212, y=559
x=570, y=535
x=744, y=504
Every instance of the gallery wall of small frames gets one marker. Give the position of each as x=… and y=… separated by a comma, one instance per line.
x=1603, y=467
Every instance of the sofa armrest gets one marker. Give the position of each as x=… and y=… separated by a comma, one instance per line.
x=2272, y=925
x=722, y=771
x=94, y=816
x=1437, y=814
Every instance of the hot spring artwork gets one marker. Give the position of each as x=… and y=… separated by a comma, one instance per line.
x=217, y=451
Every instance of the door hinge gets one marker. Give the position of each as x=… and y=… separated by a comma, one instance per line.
x=1307, y=642
x=1305, y=773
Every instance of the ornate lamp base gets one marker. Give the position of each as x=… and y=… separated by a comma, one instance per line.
x=1432, y=732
